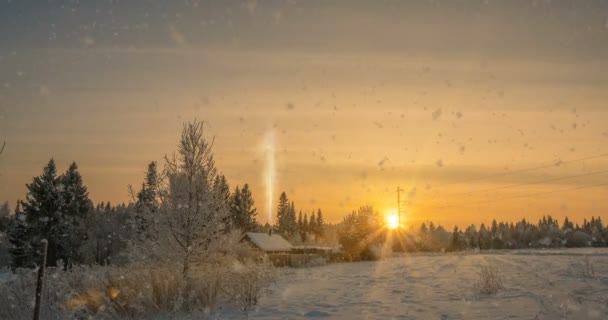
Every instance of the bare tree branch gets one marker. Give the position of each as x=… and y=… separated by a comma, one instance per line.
x=3, y=145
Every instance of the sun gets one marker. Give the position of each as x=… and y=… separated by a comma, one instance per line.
x=392, y=221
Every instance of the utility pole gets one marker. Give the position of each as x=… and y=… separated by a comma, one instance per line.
x=40, y=280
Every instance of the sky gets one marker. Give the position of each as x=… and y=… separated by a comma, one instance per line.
x=478, y=110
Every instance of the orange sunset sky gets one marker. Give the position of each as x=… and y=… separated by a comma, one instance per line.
x=450, y=100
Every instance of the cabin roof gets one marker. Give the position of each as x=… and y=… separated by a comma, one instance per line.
x=267, y=242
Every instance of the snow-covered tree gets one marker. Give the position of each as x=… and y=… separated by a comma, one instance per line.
x=359, y=232
x=192, y=212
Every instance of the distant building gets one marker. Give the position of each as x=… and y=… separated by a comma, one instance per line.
x=282, y=253
x=267, y=242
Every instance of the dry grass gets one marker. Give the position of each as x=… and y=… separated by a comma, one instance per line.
x=135, y=292
x=490, y=280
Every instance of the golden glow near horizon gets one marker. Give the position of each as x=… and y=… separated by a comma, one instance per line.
x=392, y=220
x=450, y=100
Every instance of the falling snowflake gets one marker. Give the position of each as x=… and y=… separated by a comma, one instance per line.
x=88, y=41
x=437, y=114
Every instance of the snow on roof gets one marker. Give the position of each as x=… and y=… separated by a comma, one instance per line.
x=268, y=242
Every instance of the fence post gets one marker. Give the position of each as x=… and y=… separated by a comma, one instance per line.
x=40, y=280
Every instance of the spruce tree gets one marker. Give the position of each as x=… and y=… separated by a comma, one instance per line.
x=305, y=225
x=221, y=191
x=300, y=222
x=234, y=206
x=249, y=222
x=77, y=206
x=320, y=223
x=5, y=212
x=242, y=209
x=147, y=203
x=282, y=213
x=312, y=224
x=21, y=249
x=42, y=219
x=291, y=222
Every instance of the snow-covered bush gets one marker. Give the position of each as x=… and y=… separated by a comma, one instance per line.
x=139, y=290
x=490, y=280
x=359, y=234
x=184, y=260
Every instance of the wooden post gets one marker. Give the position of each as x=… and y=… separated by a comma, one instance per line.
x=40, y=280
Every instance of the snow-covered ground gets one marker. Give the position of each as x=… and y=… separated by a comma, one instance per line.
x=538, y=284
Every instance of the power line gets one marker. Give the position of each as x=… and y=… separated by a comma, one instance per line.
x=558, y=163
x=525, y=196
x=529, y=183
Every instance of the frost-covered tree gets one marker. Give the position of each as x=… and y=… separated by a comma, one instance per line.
x=108, y=230
x=359, y=232
x=192, y=212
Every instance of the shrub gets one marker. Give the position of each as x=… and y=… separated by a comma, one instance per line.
x=137, y=291
x=490, y=280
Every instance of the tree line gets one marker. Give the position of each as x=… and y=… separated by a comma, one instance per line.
x=363, y=232
x=187, y=199
x=58, y=208
x=302, y=229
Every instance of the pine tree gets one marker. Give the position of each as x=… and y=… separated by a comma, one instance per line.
x=77, y=206
x=5, y=212
x=147, y=203
x=21, y=249
x=305, y=225
x=249, y=210
x=242, y=209
x=300, y=222
x=456, y=244
x=42, y=219
x=221, y=190
x=291, y=222
x=283, y=213
x=320, y=224
x=312, y=224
